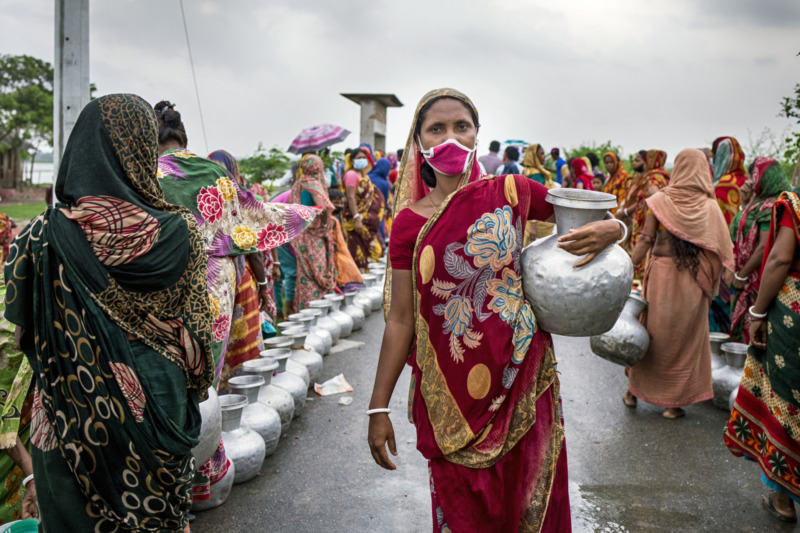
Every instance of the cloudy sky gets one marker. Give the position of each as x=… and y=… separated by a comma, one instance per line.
x=644, y=74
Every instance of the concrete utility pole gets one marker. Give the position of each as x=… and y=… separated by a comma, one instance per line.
x=71, y=76
x=373, y=116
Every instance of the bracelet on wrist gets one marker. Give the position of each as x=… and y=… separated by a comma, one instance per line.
x=371, y=412
x=737, y=278
x=756, y=315
x=262, y=283
x=27, y=481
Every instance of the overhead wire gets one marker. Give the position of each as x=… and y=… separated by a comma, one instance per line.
x=194, y=76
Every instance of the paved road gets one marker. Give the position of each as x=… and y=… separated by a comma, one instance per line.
x=630, y=470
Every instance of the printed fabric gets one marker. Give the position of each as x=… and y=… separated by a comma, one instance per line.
x=729, y=176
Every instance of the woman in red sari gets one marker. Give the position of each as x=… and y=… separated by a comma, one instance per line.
x=583, y=177
x=729, y=175
x=485, y=394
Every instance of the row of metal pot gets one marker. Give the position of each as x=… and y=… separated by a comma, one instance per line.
x=271, y=390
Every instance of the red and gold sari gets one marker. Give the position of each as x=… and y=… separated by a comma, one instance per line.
x=365, y=246
x=729, y=175
x=484, y=392
x=617, y=183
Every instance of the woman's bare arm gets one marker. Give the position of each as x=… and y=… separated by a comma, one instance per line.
x=775, y=271
x=646, y=239
x=397, y=340
x=754, y=263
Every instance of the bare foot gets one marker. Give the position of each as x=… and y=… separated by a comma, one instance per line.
x=674, y=412
x=629, y=399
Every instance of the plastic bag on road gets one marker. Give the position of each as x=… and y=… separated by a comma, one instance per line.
x=335, y=385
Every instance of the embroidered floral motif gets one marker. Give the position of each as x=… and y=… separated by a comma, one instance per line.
x=244, y=237
x=492, y=240
x=306, y=213
x=270, y=237
x=226, y=188
x=209, y=202
x=215, y=305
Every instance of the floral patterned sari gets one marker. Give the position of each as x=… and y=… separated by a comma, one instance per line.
x=729, y=176
x=315, y=248
x=655, y=176
x=484, y=392
x=367, y=245
x=617, y=183
x=764, y=422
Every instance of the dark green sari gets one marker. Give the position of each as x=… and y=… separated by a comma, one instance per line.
x=109, y=288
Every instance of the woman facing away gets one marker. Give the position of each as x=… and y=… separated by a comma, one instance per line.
x=108, y=290
x=729, y=175
x=763, y=425
x=686, y=239
x=485, y=395
x=750, y=232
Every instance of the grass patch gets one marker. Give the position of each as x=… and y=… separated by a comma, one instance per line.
x=23, y=211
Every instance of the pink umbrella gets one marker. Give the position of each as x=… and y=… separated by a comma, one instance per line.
x=316, y=138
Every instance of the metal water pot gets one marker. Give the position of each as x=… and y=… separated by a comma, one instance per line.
x=627, y=342
x=318, y=339
x=301, y=354
x=577, y=302
x=363, y=301
x=345, y=321
x=243, y=446
x=293, y=367
x=353, y=311
x=210, y=428
x=324, y=321
x=373, y=291
x=218, y=492
x=717, y=340
x=727, y=378
x=286, y=324
x=732, y=398
x=275, y=397
x=290, y=382
x=257, y=416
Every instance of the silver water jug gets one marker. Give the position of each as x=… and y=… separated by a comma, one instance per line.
x=345, y=321
x=324, y=321
x=577, y=302
x=626, y=343
x=353, y=311
x=726, y=379
x=287, y=365
x=243, y=446
x=275, y=397
x=210, y=428
x=257, y=416
x=717, y=339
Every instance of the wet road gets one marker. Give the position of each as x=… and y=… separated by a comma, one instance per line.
x=630, y=470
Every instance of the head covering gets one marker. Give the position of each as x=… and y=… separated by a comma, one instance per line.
x=729, y=159
x=555, y=152
x=655, y=160
x=410, y=187
x=229, y=162
x=310, y=178
x=769, y=182
x=392, y=157
x=380, y=170
x=688, y=208
x=580, y=172
x=531, y=165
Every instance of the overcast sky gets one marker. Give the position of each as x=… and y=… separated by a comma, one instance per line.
x=644, y=74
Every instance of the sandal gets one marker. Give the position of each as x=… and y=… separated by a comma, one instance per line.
x=766, y=503
x=676, y=413
x=629, y=399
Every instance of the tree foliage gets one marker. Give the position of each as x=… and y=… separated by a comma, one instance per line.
x=600, y=150
x=264, y=165
x=26, y=106
x=790, y=108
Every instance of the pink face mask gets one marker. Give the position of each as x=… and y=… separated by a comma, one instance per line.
x=450, y=158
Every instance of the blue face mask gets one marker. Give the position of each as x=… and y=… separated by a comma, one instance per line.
x=360, y=164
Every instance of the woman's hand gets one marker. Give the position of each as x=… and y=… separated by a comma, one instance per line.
x=263, y=298
x=359, y=225
x=381, y=432
x=758, y=333
x=728, y=277
x=29, y=509
x=276, y=272
x=738, y=284
x=590, y=240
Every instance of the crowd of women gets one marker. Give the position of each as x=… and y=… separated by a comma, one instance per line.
x=156, y=273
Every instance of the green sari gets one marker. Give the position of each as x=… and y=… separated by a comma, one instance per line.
x=109, y=288
x=15, y=415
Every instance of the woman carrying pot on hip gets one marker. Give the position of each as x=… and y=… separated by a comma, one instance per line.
x=485, y=395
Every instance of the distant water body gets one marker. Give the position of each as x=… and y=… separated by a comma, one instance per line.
x=42, y=172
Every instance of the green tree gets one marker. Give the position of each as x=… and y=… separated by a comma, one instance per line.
x=599, y=150
x=264, y=166
x=26, y=110
x=790, y=108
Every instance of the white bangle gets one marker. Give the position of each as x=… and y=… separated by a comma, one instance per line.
x=737, y=278
x=27, y=480
x=754, y=314
x=624, y=229
x=262, y=283
x=379, y=410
